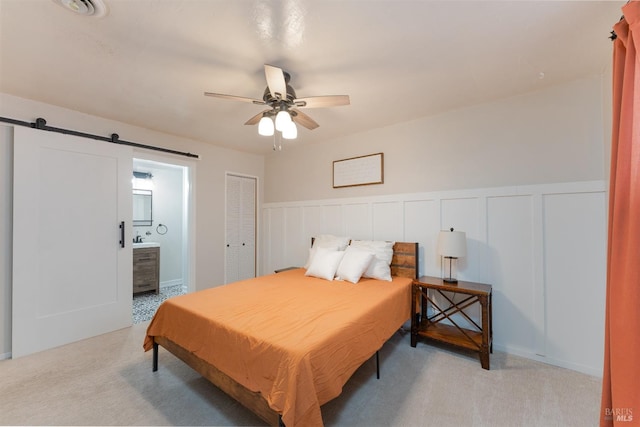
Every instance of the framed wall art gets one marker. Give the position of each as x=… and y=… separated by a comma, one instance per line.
x=362, y=170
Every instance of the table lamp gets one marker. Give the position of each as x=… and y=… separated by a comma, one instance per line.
x=451, y=245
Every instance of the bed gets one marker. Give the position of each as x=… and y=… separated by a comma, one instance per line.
x=284, y=344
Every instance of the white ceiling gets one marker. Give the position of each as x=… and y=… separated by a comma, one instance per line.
x=148, y=62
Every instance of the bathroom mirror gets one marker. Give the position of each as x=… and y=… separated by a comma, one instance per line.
x=142, y=207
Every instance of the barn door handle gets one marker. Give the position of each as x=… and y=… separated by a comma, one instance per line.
x=122, y=234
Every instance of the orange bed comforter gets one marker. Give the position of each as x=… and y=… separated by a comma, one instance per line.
x=295, y=339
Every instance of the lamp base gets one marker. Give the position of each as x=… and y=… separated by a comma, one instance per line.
x=449, y=278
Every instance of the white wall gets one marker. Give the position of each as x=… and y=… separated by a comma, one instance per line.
x=541, y=247
x=553, y=135
x=209, y=189
x=525, y=177
x=167, y=209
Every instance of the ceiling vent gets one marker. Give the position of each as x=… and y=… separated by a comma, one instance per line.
x=95, y=8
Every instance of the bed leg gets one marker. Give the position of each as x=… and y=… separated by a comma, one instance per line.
x=155, y=356
x=377, y=365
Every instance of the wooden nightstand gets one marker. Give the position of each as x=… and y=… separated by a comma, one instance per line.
x=479, y=339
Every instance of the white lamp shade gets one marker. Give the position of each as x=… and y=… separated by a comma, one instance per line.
x=452, y=244
x=265, y=126
x=282, y=120
x=290, y=131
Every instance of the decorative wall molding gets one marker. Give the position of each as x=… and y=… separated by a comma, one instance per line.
x=542, y=247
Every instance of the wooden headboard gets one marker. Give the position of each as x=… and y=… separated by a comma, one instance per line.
x=405, y=259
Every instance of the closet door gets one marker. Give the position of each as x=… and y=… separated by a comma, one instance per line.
x=232, y=250
x=247, y=265
x=240, y=252
x=72, y=279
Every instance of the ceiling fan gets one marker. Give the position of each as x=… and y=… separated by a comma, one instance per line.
x=283, y=111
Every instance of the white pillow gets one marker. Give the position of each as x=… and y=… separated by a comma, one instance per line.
x=379, y=267
x=314, y=249
x=354, y=263
x=325, y=263
x=327, y=241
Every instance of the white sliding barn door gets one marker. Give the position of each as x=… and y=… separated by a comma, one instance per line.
x=240, y=254
x=71, y=277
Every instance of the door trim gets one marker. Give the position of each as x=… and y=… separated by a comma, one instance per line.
x=189, y=236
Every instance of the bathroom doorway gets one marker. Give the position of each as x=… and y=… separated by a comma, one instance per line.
x=163, y=221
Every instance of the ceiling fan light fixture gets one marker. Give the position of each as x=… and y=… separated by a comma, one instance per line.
x=265, y=126
x=282, y=103
x=283, y=118
x=290, y=131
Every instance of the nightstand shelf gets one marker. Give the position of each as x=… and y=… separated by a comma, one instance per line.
x=479, y=339
x=452, y=335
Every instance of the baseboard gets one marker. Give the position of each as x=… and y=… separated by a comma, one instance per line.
x=588, y=370
x=5, y=356
x=171, y=283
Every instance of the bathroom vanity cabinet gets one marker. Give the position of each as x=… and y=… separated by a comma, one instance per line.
x=146, y=269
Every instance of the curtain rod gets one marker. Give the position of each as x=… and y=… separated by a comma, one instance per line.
x=41, y=124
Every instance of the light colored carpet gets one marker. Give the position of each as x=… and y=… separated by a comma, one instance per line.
x=108, y=380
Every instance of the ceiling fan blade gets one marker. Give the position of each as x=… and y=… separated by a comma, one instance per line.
x=322, y=101
x=303, y=120
x=255, y=119
x=235, y=98
x=275, y=81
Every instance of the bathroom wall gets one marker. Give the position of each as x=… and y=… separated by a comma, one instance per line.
x=167, y=187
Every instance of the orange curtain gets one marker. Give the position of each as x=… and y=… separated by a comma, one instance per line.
x=621, y=376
